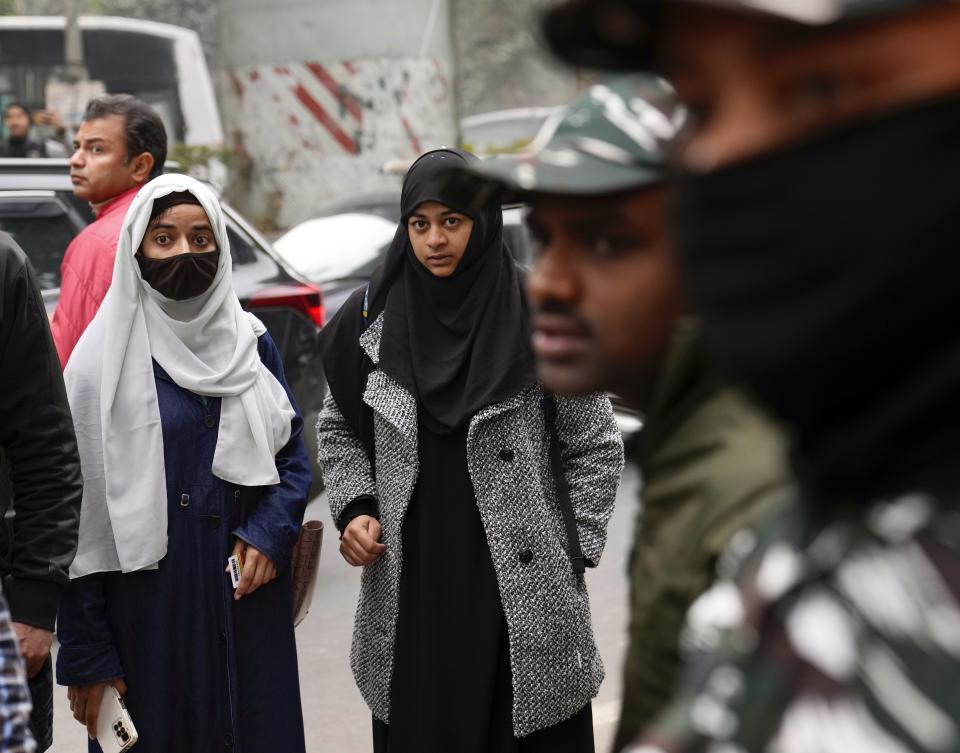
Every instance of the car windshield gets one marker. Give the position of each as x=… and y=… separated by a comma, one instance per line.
x=338, y=247
x=43, y=229
x=516, y=235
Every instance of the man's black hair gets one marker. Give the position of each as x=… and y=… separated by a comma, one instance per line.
x=19, y=105
x=143, y=128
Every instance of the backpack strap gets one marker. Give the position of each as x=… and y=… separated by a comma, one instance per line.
x=577, y=559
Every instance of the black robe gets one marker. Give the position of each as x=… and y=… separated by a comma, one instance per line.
x=451, y=689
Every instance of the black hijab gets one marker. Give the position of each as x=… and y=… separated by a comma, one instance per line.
x=457, y=343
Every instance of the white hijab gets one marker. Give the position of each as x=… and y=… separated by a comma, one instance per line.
x=208, y=345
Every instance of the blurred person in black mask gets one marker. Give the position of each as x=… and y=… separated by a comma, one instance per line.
x=817, y=221
x=16, y=121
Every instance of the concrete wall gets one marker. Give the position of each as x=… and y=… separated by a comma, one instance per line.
x=269, y=31
x=317, y=96
x=315, y=135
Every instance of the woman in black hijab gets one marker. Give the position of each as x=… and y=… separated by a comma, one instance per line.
x=434, y=445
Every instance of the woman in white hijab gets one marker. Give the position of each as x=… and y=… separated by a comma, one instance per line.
x=191, y=451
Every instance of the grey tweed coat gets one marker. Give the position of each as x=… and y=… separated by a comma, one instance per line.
x=555, y=665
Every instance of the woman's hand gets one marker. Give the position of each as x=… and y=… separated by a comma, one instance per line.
x=360, y=544
x=258, y=570
x=85, y=702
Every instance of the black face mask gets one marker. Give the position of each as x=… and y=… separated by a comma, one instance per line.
x=828, y=277
x=180, y=277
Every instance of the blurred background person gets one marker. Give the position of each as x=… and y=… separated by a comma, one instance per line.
x=16, y=121
x=120, y=145
x=41, y=507
x=817, y=230
x=609, y=313
x=473, y=633
x=192, y=451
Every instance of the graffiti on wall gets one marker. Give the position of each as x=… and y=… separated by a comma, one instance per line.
x=317, y=135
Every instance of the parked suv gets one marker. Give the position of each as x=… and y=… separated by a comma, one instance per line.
x=38, y=208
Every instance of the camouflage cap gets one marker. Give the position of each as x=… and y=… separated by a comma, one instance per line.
x=620, y=34
x=611, y=139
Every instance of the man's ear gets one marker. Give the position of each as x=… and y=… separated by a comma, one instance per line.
x=142, y=167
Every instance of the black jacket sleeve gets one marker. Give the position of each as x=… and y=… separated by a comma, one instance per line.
x=37, y=440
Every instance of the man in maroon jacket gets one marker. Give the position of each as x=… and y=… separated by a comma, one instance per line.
x=120, y=146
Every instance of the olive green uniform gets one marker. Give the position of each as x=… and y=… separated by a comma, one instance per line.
x=712, y=465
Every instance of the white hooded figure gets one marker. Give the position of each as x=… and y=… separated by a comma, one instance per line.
x=190, y=451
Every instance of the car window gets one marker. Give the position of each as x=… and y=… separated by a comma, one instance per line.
x=336, y=247
x=241, y=247
x=367, y=267
x=518, y=240
x=81, y=207
x=43, y=229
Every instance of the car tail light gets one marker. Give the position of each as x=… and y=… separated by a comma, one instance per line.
x=307, y=299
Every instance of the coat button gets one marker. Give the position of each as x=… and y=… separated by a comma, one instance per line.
x=222, y=636
x=228, y=740
x=525, y=557
x=184, y=500
x=214, y=523
x=506, y=455
x=208, y=421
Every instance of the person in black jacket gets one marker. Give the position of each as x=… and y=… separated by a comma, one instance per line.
x=40, y=482
x=16, y=120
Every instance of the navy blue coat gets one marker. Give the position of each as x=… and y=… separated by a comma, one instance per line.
x=204, y=672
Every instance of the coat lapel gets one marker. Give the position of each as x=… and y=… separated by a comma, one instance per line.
x=491, y=411
x=395, y=404
x=384, y=395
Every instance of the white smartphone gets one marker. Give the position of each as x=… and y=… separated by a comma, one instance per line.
x=115, y=730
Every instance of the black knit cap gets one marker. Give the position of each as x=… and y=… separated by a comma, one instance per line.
x=176, y=198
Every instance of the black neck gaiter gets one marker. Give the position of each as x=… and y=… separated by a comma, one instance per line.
x=828, y=277
x=180, y=277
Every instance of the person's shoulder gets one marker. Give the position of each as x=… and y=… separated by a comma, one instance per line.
x=266, y=345
x=106, y=228
x=11, y=249
x=268, y=351
x=728, y=438
x=725, y=468
x=13, y=260
x=96, y=235
x=355, y=305
x=348, y=323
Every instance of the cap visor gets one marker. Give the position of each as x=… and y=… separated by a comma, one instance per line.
x=524, y=178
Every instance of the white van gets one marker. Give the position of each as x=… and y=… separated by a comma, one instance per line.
x=159, y=63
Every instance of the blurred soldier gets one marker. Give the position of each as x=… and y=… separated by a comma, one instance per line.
x=609, y=315
x=37, y=542
x=818, y=219
x=120, y=145
x=16, y=121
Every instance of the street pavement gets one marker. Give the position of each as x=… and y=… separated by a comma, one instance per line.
x=336, y=719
